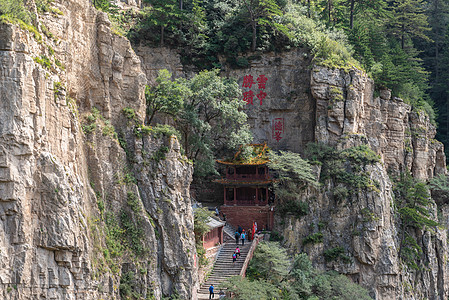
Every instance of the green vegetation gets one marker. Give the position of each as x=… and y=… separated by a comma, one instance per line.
x=13, y=10
x=58, y=89
x=166, y=96
x=128, y=286
x=314, y=238
x=201, y=217
x=131, y=221
x=403, y=44
x=294, y=175
x=91, y=121
x=95, y=120
x=347, y=168
x=44, y=6
x=103, y=5
x=129, y=113
x=273, y=274
x=439, y=186
x=206, y=111
x=206, y=29
x=160, y=153
x=44, y=61
x=59, y=64
x=337, y=253
x=415, y=209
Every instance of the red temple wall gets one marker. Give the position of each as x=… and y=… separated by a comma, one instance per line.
x=213, y=237
x=246, y=215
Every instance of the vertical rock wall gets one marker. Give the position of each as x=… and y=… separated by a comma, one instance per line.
x=338, y=108
x=53, y=176
x=287, y=99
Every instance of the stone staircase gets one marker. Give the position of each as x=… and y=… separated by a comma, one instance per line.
x=224, y=268
x=228, y=233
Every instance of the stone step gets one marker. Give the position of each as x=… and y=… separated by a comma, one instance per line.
x=224, y=267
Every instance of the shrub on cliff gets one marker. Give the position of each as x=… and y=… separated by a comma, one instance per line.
x=14, y=9
x=415, y=209
x=273, y=274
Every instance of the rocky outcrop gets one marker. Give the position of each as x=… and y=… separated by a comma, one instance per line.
x=338, y=108
x=360, y=232
x=78, y=183
x=287, y=100
x=405, y=139
x=65, y=180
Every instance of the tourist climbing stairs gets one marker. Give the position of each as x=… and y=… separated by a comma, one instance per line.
x=224, y=268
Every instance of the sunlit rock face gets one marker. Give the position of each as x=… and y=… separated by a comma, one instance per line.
x=54, y=174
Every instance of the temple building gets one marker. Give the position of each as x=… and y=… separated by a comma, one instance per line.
x=214, y=236
x=246, y=194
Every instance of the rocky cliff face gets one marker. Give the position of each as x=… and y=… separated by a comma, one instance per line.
x=338, y=108
x=86, y=211
x=364, y=225
x=90, y=206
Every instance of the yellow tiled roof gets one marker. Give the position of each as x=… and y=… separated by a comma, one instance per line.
x=260, y=157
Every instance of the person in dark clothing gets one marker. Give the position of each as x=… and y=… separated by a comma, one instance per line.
x=240, y=229
x=211, y=291
x=237, y=237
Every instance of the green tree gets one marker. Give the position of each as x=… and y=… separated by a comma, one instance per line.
x=164, y=14
x=166, y=96
x=272, y=274
x=409, y=20
x=291, y=168
x=211, y=119
x=270, y=263
x=103, y=5
x=262, y=13
x=293, y=175
x=414, y=206
x=439, y=186
x=200, y=218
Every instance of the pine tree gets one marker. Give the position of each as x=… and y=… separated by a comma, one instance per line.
x=164, y=14
x=409, y=20
x=262, y=13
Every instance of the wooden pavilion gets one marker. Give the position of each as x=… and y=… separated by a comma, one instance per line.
x=246, y=194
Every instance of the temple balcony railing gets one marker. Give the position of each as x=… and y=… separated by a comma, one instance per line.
x=245, y=202
x=248, y=176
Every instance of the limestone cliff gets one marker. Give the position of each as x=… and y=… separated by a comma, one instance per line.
x=88, y=208
x=78, y=176
x=338, y=108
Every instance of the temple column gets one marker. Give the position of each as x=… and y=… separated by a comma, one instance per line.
x=235, y=196
x=257, y=195
x=224, y=196
x=266, y=194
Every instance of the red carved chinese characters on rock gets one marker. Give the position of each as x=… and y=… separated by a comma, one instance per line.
x=277, y=128
x=261, y=96
x=261, y=80
x=248, y=97
x=248, y=81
